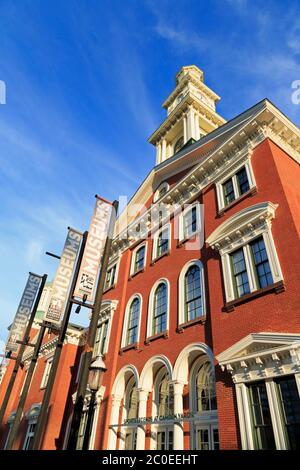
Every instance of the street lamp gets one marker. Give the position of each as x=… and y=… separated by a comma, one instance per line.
x=96, y=371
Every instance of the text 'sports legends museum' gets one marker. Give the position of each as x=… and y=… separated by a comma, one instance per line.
x=199, y=328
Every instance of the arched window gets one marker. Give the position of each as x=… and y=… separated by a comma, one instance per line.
x=178, y=145
x=205, y=388
x=192, y=293
x=132, y=409
x=138, y=259
x=165, y=395
x=161, y=191
x=160, y=309
x=133, y=321
x=161, y=243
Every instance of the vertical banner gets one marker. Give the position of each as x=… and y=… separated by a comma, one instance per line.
x=23, y=313
x=63, y=277
x=86, y=281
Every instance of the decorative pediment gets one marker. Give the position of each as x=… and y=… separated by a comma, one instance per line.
x=242, y=224
x=262, y=355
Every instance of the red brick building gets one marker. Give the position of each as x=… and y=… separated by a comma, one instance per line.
x=199, y=327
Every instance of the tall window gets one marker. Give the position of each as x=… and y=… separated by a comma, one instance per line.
x=165, y=397
x=290, y=406
x=261, y=263
x=206, y=388
x=101, y=336
x=242, y=180
x=139, y=260
x=160, y=309
x=228, y=190
x=46, y=374
x=192, y=293
x=29, y=434
x=261, y=417
x=132, y=412
x=110, y=277
x=162, y=242
x=190, y=222
x=239, y=271
x=133, y=322
x=235, y=186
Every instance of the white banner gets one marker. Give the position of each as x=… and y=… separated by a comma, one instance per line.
x=23, y=313
x=86, y=282
x=63, y=277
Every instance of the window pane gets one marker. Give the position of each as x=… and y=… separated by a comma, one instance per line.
x=261, y=263
x=242, y=180
x=203, y=439
x=160, y=309
x=139, y=259
x=193, y=294
x=190, y=222
x=133, y=322
x=110, y=277
x=206, y=389
x=290, y=403
x=240, y=276
x=262, y=423
x=163, y=242
x=228, y=192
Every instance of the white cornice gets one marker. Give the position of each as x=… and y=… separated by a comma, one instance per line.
x=210, y=156
x=245, y=221
x=262, y=355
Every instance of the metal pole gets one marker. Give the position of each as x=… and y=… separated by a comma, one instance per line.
x=42, y=419
x=21, y=350
x=88, y=354
x=88, y=428
x=18, y=416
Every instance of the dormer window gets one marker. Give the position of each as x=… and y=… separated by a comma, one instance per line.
x=161, y=191
x=178, y=145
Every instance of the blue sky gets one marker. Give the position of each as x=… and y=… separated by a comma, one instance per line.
x=85, y=81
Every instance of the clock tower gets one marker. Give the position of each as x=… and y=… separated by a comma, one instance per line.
x=191, y=114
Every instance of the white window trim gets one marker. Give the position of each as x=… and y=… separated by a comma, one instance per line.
x=45, y=378
x=237, y=232
x=198, y=221
x=126, y=319
x=106, y=313
x=181, y=286
x=232, y=174
x=155, y=240
x=133, y=255
x=151, y=306
x=160, y=187
x=110, y=266
x=28, y=433
x=253, y=285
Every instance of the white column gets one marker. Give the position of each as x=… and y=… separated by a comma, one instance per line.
x=142, y=413
x=184, y=130
x=114, y=419
x=178, y=409
x=197, y=127
x=190, y=125
x=158, y=153
x=163, y=150
x=244, y=417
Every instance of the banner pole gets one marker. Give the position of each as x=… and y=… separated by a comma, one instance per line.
x=88, y=354
x=15, y=427
x=42, y=419
x=22, y=349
